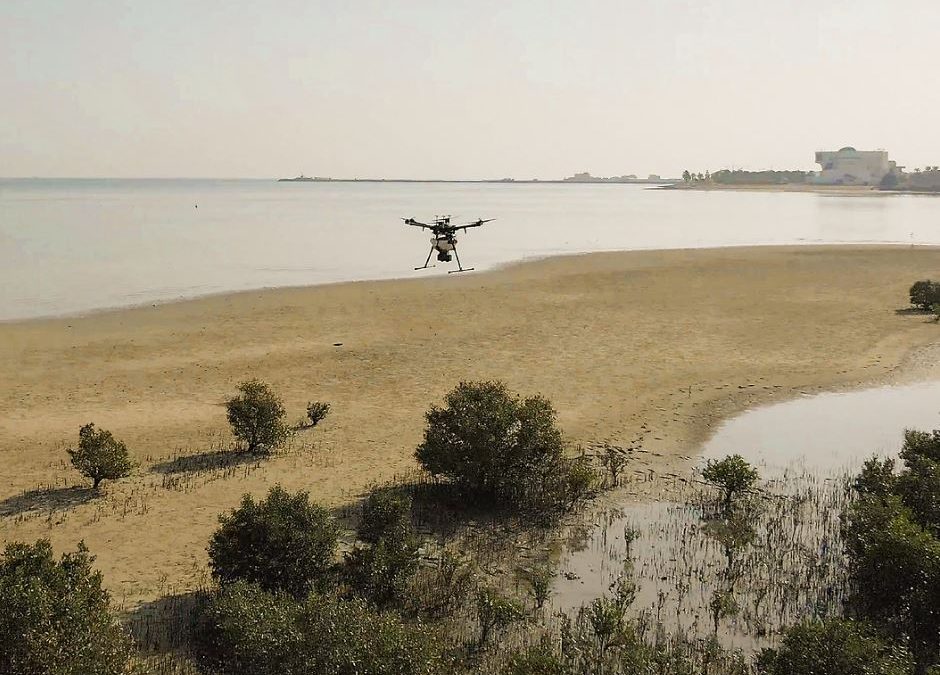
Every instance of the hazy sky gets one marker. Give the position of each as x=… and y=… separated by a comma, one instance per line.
x=461, y=89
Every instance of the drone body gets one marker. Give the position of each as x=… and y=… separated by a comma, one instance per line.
x=444, y=241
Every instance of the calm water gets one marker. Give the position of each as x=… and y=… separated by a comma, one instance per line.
x=827, y=433
x=811, y=440
x=75, y=245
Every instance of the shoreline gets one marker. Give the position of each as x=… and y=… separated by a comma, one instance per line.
x=658, y=347
x=498, y=267
x=833, y=190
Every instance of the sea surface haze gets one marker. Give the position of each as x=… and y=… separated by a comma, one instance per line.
x=70, y=246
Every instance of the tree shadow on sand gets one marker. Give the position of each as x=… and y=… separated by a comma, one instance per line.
x=214, y=460
x=443, y=509
x=167, y=623
x=914, y=311
x=47, y=499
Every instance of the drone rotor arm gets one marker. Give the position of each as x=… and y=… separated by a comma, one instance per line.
x=475, y=223
x=416, y=223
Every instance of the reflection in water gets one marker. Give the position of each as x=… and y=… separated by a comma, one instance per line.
x=778, y=558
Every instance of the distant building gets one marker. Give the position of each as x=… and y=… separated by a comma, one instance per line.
x=654, y=176
x=849, y=166
x=583, y=177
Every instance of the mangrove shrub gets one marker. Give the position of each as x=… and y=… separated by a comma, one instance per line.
x=834, y=646
x=892, y=539
x=924, y=294
x=282, y=543
x=247, y=630
x=502, y=449
x=316, y=412
x=256, y=416
x=733, y=475
x=382, y=571
x=56, y=618
x=100, y=456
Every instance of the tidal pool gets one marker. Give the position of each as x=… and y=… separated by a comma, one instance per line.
x=784, y=553
x=827, y=433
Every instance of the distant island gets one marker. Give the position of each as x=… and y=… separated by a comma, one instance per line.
x=585, y=177
x=576, y=178
x=302, y=179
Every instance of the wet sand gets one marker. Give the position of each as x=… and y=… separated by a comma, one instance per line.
x=658, y=345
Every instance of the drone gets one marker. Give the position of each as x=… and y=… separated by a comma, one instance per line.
x=444, y=241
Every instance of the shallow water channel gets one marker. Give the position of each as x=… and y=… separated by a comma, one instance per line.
x=784, y=552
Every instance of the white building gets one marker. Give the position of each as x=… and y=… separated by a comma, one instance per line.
x=849, y=166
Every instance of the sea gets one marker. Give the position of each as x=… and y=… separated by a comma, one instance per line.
x=71, y=246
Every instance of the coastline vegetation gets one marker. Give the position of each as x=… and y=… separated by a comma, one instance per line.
x=741, y=177
x=925, y=294
x=256, y=416
x=440, y=574
x=99, y=456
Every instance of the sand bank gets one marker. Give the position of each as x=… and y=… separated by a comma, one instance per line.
x=659, y=345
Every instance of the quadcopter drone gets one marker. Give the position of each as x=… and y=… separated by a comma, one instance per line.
x=444, y=241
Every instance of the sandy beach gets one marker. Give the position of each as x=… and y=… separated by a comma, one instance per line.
x=658, y=345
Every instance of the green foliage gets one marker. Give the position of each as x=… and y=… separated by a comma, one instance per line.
x=504, y=450
x=384, y=512
x=575, y=482
x=281, y=543
x=834, y=646
x=876, y=478
x=924, y=444
x=768, y=177
x=613, y=459
x=918, y=486
x=446, y=587
x=257, y=417
x=925, y=294
x=56, y=618
x=732, y=474
x=607, y=615
x=382, y=571
x=601, y=639
x=538, y=659
x=895, y=570
x=247, y=630
x=495, y=613
x=891, y=538
x=100, y=456
x=316, y=411
x=539, y=580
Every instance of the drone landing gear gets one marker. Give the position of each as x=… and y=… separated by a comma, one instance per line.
x=444, y=256
x=425, y=265
x=460, y=268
